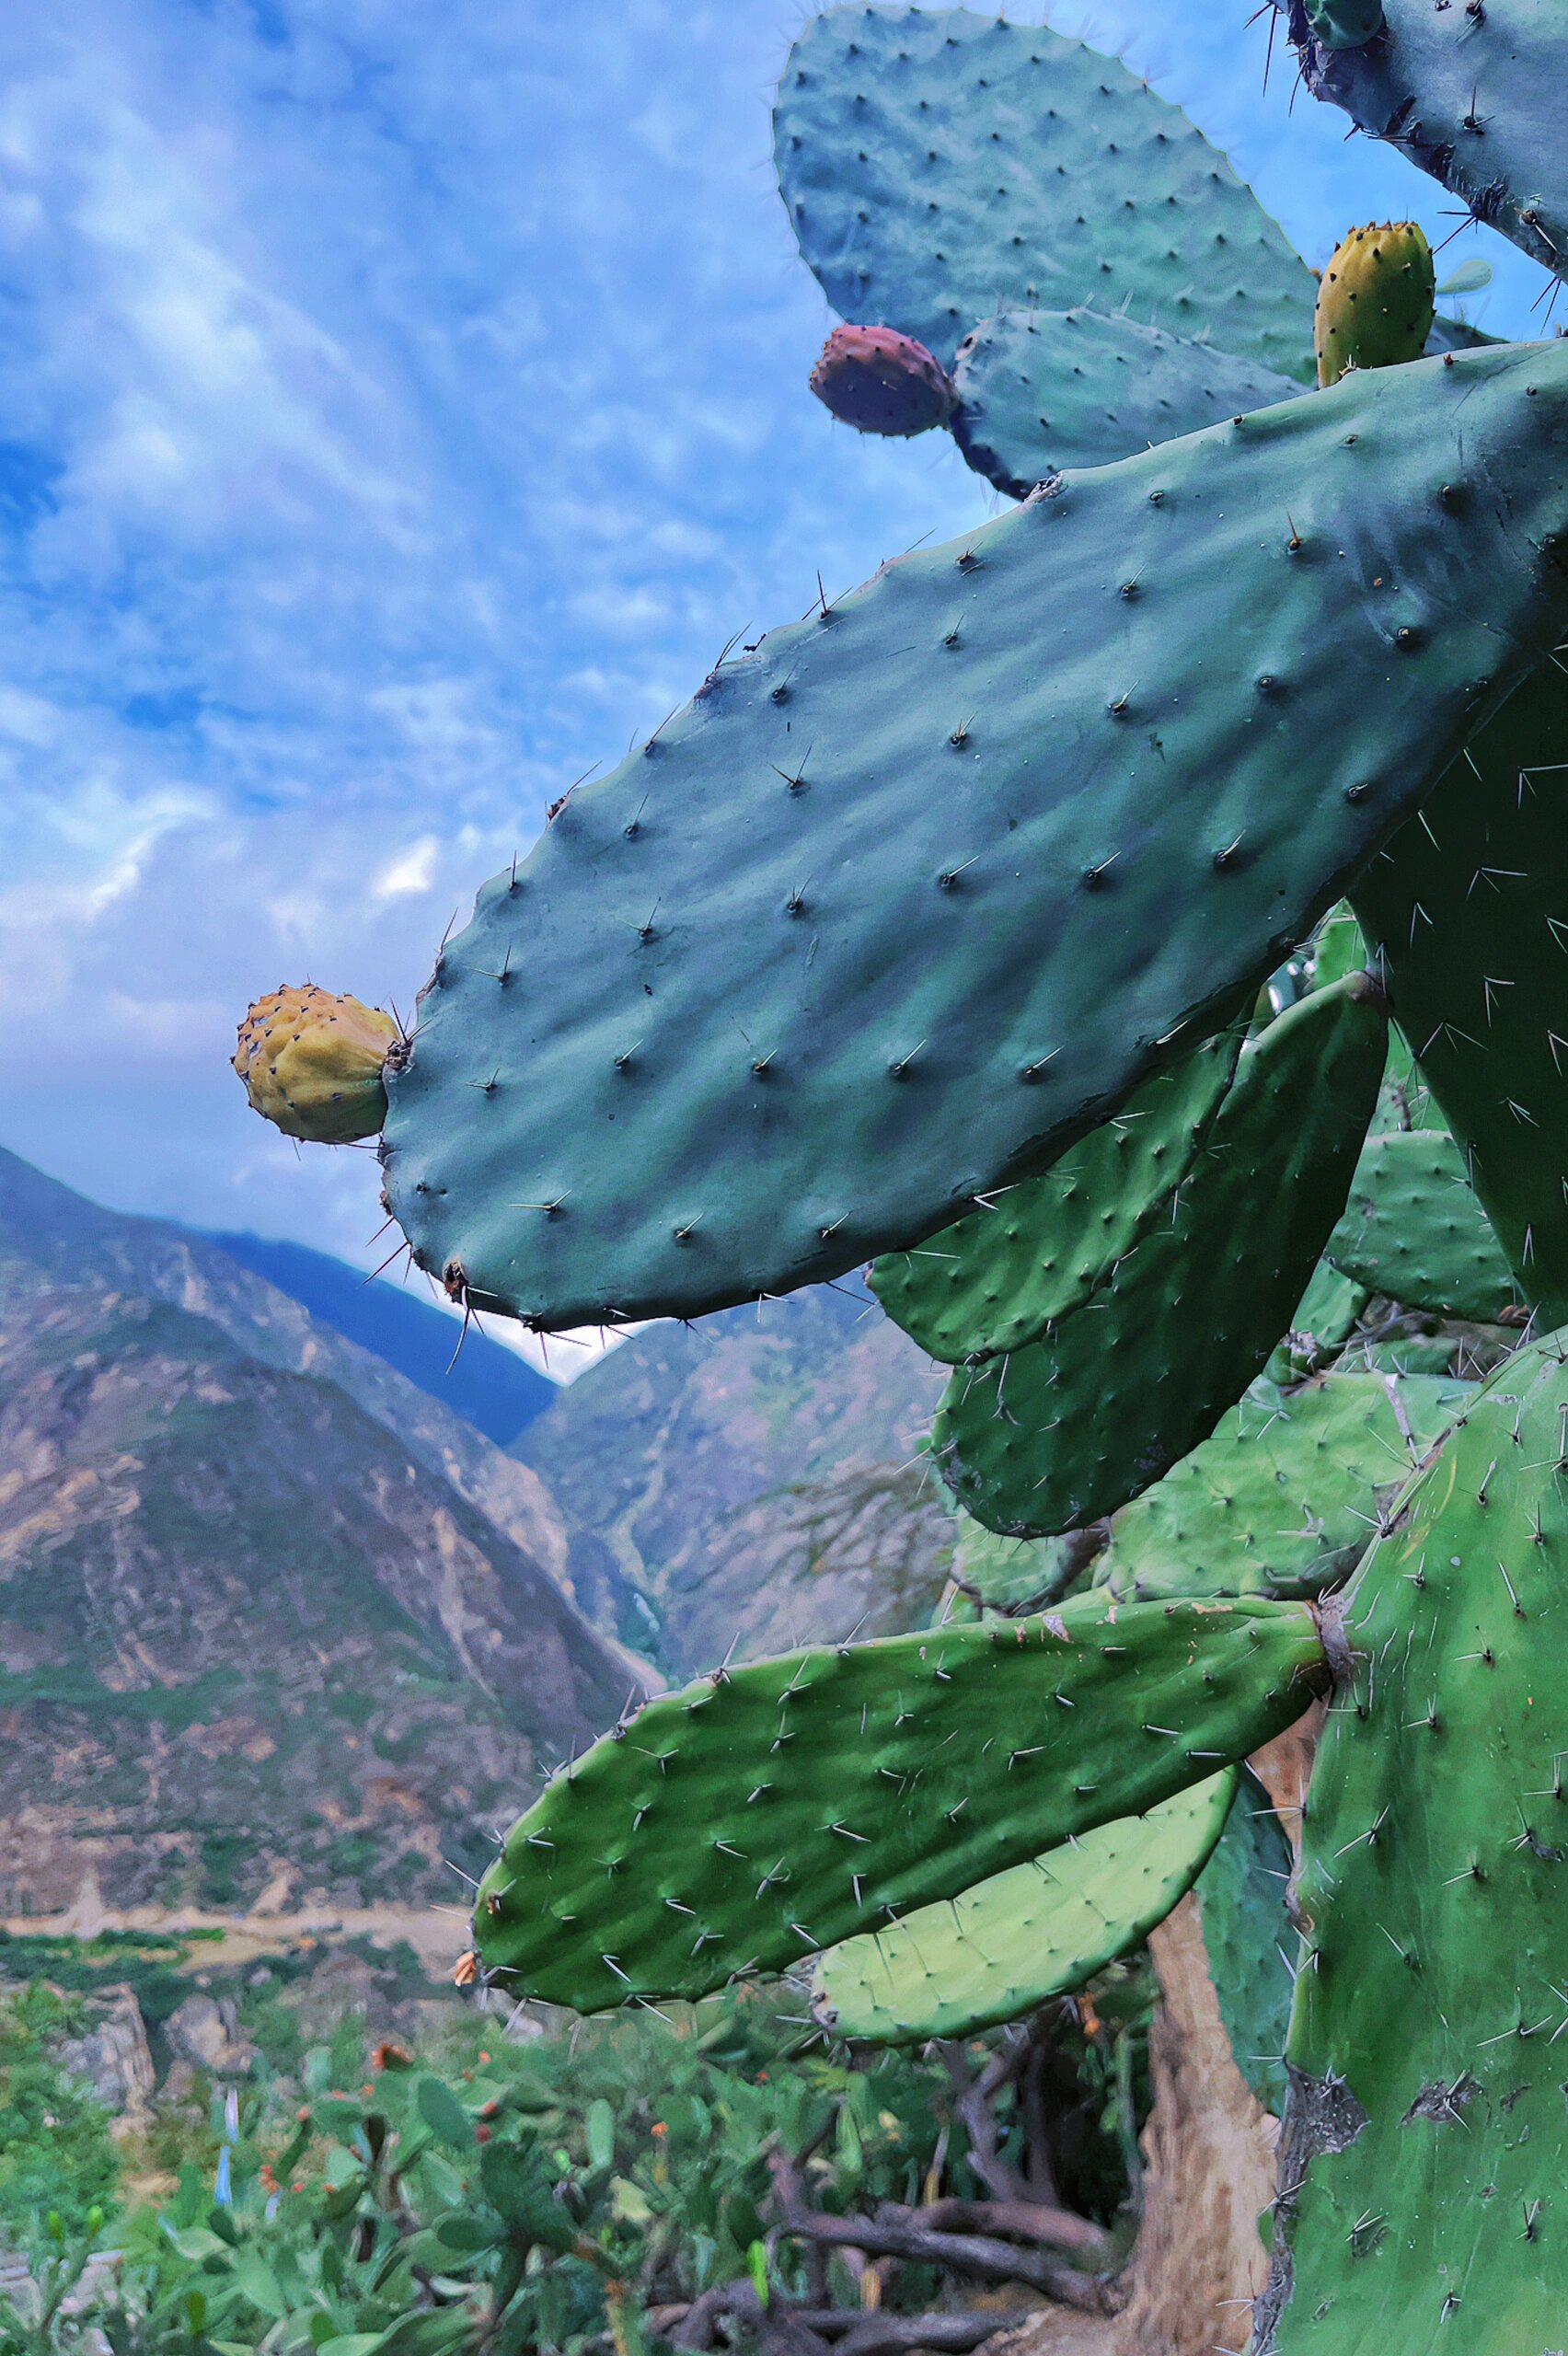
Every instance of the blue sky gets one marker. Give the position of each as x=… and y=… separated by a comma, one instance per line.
x=401, y=406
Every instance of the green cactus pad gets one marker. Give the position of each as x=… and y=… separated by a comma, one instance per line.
x=1013, y=1574
x=1042, y=390
x=995, y=1280
x=1283, y=1498
x=1247, y=1934
x=1344, y=24
x=1473, y=94
x=774, y=1810
x=1425, y=2148
x=1470, y=905
x=922, y=888
x=1321, y=1324
x=1413, y=1229
x=1056, y=1435
x=939, y=166
x=1039, y=1930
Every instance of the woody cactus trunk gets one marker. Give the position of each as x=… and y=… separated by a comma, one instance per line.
x=932, y=933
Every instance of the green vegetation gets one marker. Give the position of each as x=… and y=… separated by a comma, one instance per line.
x=573, y=2191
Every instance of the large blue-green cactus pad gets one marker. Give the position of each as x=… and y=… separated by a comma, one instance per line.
x=1284, y=1497
x=1249, y=1939
x=1473, y=94
x=922, y=888
x=1413, y=1229
x=1056, y=1435
x=996, y=1280
x=1037, y=1930
x=1470, y=905
x=1426, y=2151
x=939, y=166
x=1039, y=391
x=774, y=1810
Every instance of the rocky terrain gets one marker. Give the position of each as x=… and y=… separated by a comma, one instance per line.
x=756, y=1475
x=254, y=1638
x=278, y=1628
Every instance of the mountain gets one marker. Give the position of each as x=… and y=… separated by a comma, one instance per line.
x=65, y=1238
x=488, y=1384
x=258, y=1629
x=756, y=1475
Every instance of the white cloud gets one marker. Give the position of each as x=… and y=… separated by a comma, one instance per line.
x=414, y=871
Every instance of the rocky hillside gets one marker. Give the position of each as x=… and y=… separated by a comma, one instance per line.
x=269, y=1619
x=487, y=1384
x=755, y=1475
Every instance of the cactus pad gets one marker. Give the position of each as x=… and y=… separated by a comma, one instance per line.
x=1375, y=300
x=1427, y=2137
x=1470, y=905
x=1038, y=391
x=1344, y=24
x=1473, y=96
x=1413, y=1229
x=937, y=165
x=1037, y=1930
x=776, y=1809
x=1284, y=1497
x=1055, y=1435
x=881, y=382
x=312, y=1063
x=755, y=1008
x=1247, y=1934
x=995, y=1279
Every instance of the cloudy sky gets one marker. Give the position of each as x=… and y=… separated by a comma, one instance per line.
x=401, y=404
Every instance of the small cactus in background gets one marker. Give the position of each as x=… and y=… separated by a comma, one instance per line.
x=881, y=382
x=312, y=1063
x=1375, y=300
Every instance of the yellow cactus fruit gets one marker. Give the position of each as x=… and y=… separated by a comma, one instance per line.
x=312, y=1063
x=1375, y=300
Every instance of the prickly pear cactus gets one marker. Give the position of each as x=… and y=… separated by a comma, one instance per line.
x=1413, y=1229
x=1426, y=2136
x=1375, y=300
x=1469, y=906
x=1344, y=24
x=923, y=157
x=1281, y=1499
x=776, y=1809
x=312, y=1063
x=1068, y=1429
x=881, y=382
x=1037, y=1930
x=1038, y=391
x=1250, y=1940
x=777, y=1017
x=997, y=1280
x=1470, y=93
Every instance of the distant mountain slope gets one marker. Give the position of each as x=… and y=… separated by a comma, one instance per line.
x=753, y=1473
x=496, y=1390
x=50, y=1235
x=248, y=1640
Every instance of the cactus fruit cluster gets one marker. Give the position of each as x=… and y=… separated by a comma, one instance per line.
x=312, y=1064
x=1376, y=300
x=1031, y=922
